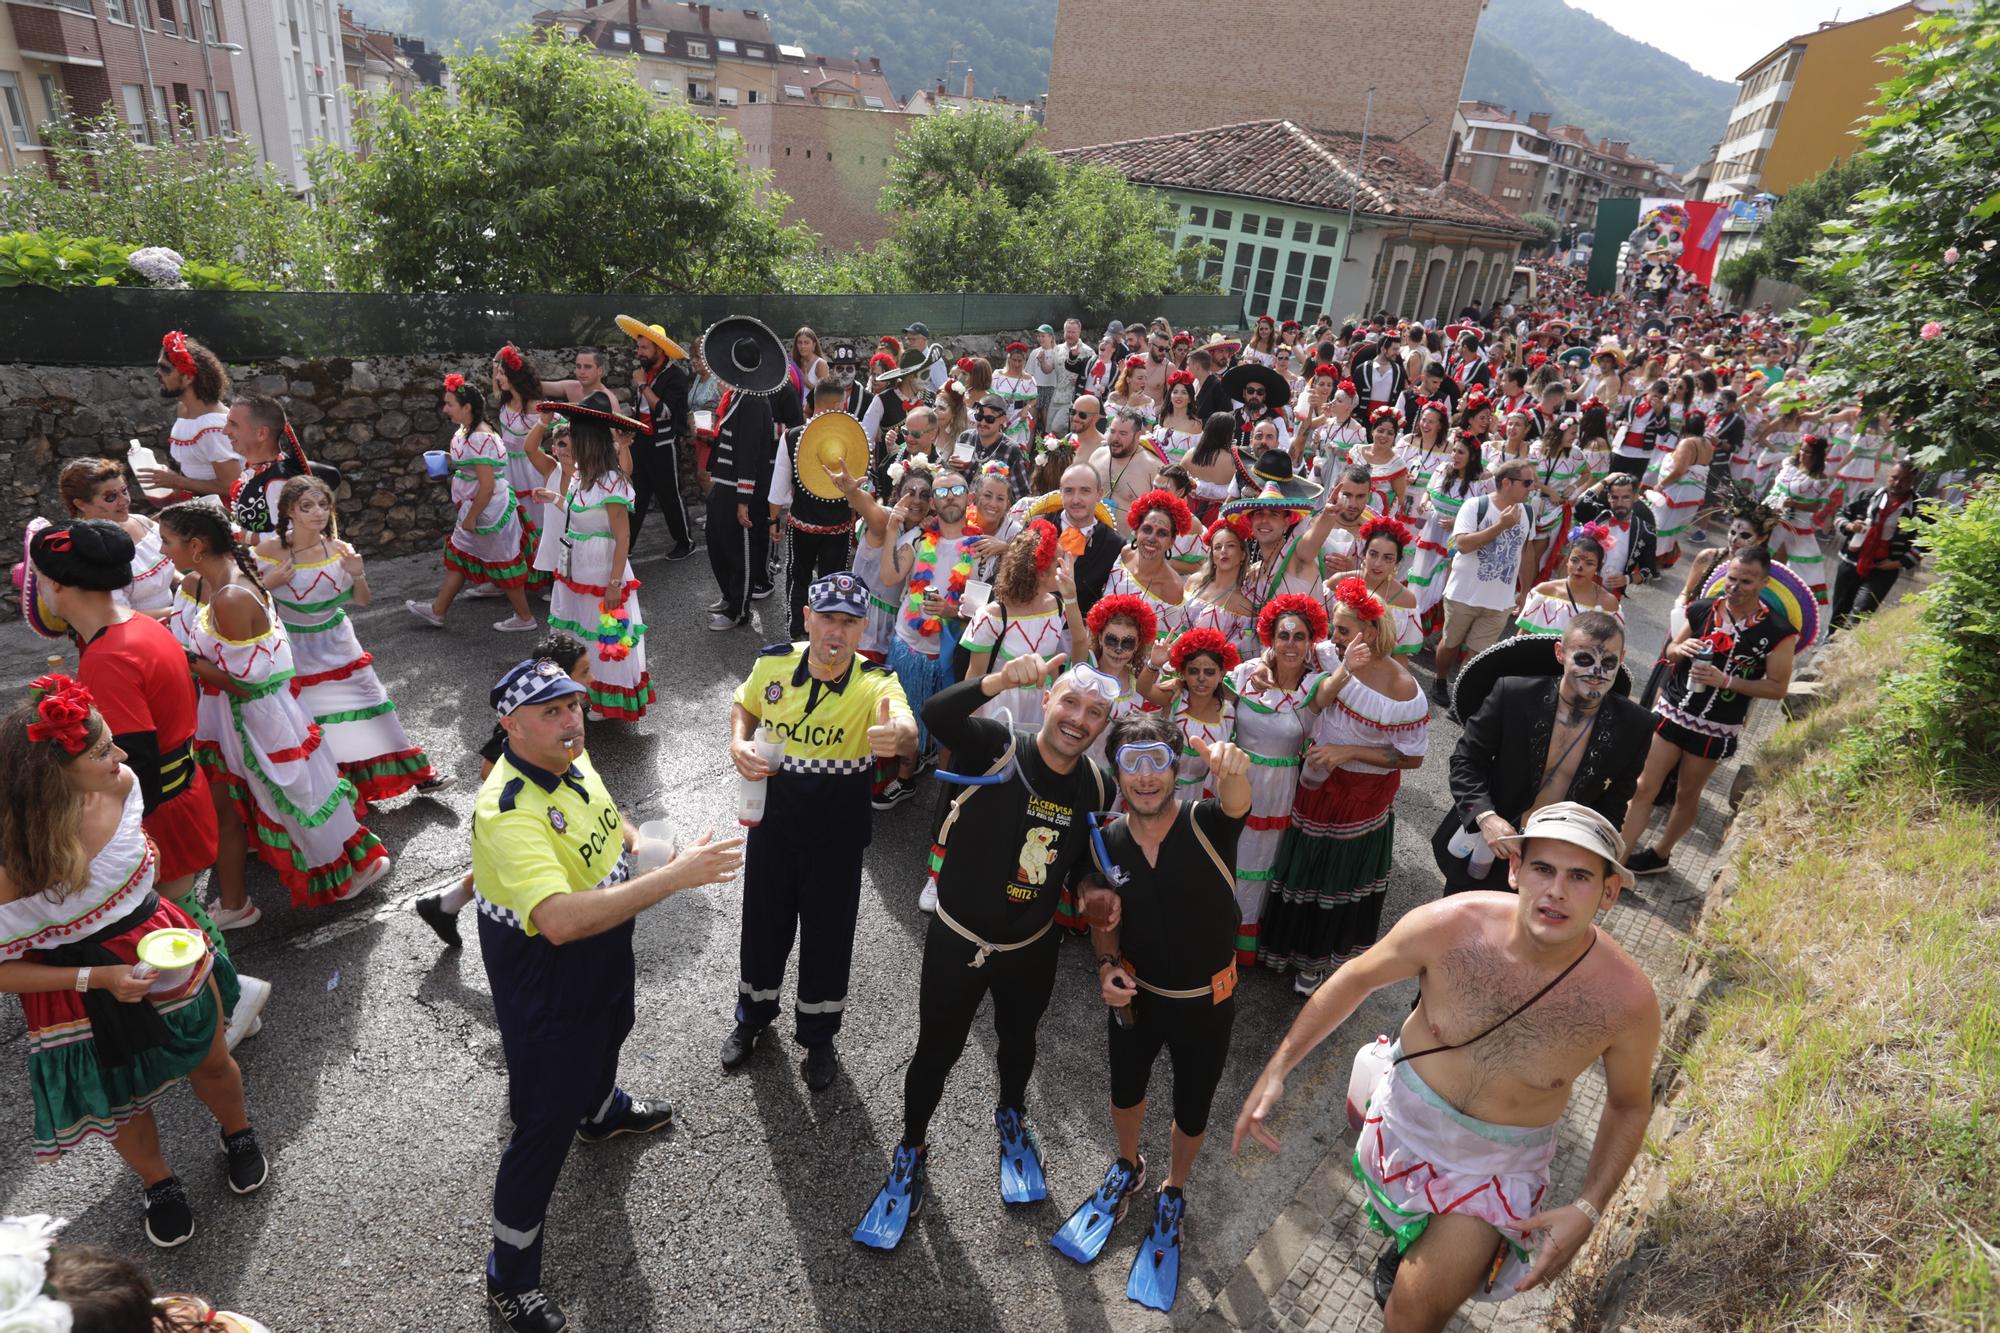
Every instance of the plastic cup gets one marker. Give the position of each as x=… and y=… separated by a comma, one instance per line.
x=654, y=846
x=974, y=598
x=173, y=954
x=437, y=464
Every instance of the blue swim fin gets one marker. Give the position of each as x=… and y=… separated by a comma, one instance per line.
x=1021, y=1178
x=1082, y=1237
x=1156, y=1268
x=898, y=1202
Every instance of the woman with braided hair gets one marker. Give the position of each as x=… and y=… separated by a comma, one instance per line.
x=523, y=430
x=77, y=896
x=262, y=751
x=1332, y=867
x=1272, y=724
x=1196, y=698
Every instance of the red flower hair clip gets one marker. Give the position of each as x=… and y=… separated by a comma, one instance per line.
x=1129, y=607
x=1135, y=363
x=1239, y=524
x=1014, y=347
x=1204, y=639
x=964, y=363
x=1325, y=369
x=1185, y=377
x=62, y=706
x=1353, y=595
x=175, y=345
x=1383, y=413
x=1297, y=604
x=510, y=357
x=454, y=382
x=1045, y=543
x=1166, y=502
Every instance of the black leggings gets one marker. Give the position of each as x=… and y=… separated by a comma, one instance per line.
x=1195, y=1034
x=948, y=996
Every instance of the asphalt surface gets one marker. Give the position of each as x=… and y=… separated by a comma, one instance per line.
x=378, y=1088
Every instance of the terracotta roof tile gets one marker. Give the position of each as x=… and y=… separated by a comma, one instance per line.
x=1288, y=163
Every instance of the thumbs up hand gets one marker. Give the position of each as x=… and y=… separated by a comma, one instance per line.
x=886, y=738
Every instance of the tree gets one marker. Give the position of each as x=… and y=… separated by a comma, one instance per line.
x=979, y=206
x=1794, y=225
x=1911, y=273
x=212, y=201
x=547, y=168
x=1543, y=223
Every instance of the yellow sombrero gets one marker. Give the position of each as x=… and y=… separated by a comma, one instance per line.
x=653, y=334
x=830, y=438
x=1052, y=504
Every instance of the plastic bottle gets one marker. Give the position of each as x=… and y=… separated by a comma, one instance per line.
x=1472, y=844
x=143, y=459
x=1371, y=1062
x=771, y=748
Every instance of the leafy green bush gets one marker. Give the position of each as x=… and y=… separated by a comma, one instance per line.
x=52, y=259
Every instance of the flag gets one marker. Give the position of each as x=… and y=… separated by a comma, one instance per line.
x=1698, y=245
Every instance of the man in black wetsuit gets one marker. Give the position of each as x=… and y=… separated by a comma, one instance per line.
x=1166, y=958
x=1010, y=846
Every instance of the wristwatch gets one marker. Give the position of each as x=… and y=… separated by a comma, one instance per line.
x=1587, y=1208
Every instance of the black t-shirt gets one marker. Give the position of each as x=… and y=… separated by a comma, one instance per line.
x=1014, y=845
x=1749, y=651
x=1178, y=918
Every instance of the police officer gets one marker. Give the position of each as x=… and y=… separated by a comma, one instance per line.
x=556, y=899
x=838, y=714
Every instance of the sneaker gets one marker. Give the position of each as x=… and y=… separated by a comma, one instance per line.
x=894, y=794
x=1646, y=861
x=517, y=625
x=642, y=1116
x=759, y=594
x=530, y=1311
x=1441, y=692
x=235, y=918
x=682, y=551
x=741, y=1041
x=422, y=611
x=1304, y=985
x=927, y=900
x=821, y=1065
x=243, y=1019
x=719, y=604
x=246, y=1165
x=722, y=620
x=370, y=874
x=169, y=1220
x=431, y=908
x=483, y=591
x=437, y=782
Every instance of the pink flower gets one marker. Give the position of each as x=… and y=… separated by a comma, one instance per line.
x=1930, y=330
x=1951, y=254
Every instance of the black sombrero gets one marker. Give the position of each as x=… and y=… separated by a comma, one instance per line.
x=1277, y=389
x=1522, y=655
x=745, y=355
x=574, y=413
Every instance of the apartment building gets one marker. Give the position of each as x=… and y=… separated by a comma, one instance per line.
x=1529, y=166
x=931, y=101
x=289, y=66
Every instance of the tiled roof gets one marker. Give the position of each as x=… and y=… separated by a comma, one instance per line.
x=1286, y=163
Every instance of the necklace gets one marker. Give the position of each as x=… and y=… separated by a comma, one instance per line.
x=924, y=574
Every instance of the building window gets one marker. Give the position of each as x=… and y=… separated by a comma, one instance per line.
x=697, y=92
x=725, y=97
x=14, y=105
x=201, y=108
x=1267, y=272
x=655, y=46
x=133, y=100
x=698, y=50
x=1251, y=222
x=726, y=45
x=1316, y=284
x=1274, y=227
x=225, y=120
x=1329, y=235
x=754, y=52
x=208, y=21
x=1198, y=217
x=115, y=11
x=1239, y=279
x=53, y=98
x=163, y=122
x=1211, y=267
x=621, y=36
x=1288, y=295
x=872, y=102
x=1222, y=219
x=1302, y=233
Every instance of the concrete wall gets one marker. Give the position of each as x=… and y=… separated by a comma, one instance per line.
x=832, y=161
x=1197, y=65
x=1834, y=88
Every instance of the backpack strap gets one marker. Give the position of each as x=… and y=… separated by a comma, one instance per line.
x=1221, y=866
x=958, y=802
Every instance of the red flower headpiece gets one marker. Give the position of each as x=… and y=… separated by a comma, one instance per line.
x=510, y=357
x=1384, y=525
x=1180, y=377
x=1183, y=339
x=1012, y=348
x=1590, y=403
x=1538, y=360
x=1297, y=604
x=881, y=361
x=175, y=345
x=1353, y=594
x=963, y=363
x=1266, y=319
x=1128, y=606
x=1326, y=368
x=1168, y=503
x=1476, y=400
x=1045, y=543
x=1597, y=532
x=1383, y=413
x=1135, y=363
x=1204, y=639
x=893, y=341
x=63, y=707
x=1347, y=388
x=1236, y=523
x=454, y=382
x=1289, y=324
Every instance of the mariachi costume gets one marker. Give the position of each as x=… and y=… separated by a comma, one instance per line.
x=751, y=363
x=817, y=515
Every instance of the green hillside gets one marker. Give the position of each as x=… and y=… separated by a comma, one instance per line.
x=1586, y=72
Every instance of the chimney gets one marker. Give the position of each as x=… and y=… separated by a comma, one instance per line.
x=968, y=83
x=702, y=12
x=632, y=17
x=875, y=64
x=1539, y=120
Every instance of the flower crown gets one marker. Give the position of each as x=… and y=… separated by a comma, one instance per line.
x=1297, y=604
x=1130, y=607
x=1204, y=639
x=1167, y=503
x=1238, y=524
x=1384, y=525
x=1381, y=414
x=1045, y=543
x=62, y=709
x=1596, y=532
x=1353, y=594
x=898, y=469
x=175, y=345
x=1180, y=377
x=510, y=357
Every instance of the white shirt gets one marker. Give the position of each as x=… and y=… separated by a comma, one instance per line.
x=1045, y=377
x=1485, y=578
x=199, y=443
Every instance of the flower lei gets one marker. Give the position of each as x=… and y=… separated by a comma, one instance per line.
x=62, y=706
x=614, y=632
x=924, y=574
x=26, y=1303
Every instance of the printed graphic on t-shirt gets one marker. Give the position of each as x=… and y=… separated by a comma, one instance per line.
x=1046, y=823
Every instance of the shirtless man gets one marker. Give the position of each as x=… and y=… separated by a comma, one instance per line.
x=1519, y=995
x=1341, y=543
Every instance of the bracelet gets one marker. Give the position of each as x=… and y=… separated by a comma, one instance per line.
x=1587, y=1208
x=1104, y=960
x=82, y=979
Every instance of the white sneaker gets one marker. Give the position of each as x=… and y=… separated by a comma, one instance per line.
x=370, y=874
x=235, y=918
x=1304, y=984
x=483, y=591
x=720, y=622
x=422, y=611
x=927, y=900
x=517, y=625
x=245, y=1019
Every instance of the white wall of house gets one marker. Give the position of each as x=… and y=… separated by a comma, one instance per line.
x=288, y=77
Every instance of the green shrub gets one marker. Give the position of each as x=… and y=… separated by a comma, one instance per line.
x=52, y=259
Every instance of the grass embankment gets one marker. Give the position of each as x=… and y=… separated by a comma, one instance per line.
x=1841, y=1165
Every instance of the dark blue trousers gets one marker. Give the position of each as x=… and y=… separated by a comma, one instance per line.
x=564, y=1012
x=796, y=884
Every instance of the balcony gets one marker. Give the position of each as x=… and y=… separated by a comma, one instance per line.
x=59, y=35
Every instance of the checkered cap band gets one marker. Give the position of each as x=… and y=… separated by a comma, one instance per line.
x=840, y=593
x=534, y=681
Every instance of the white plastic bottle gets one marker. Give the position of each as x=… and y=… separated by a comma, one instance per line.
x=1371, y=1062
x=143, y=459
x=771, y=748
x=1471, y=843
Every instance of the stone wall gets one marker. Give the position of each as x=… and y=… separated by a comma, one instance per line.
x=372, y=418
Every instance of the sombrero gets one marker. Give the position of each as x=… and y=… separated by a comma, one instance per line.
x=653, y=334
x=1272, y=496
x=909, y=363
x=35, y=608
x=829, y=438
x=1277, y=389
x=1052, y=503
x=1522, y=655
x=1784, y=592
x=1554, y=326
x=574, y=413
x=1217, y=341
x=1453, y=332
x=1574, y=357
x=745, y=355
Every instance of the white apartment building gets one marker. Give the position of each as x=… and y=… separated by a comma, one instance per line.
x=288, y=77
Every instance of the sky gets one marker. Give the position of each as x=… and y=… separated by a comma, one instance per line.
x=1721, y=37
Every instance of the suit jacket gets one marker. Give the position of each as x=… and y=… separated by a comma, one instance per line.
x=1210, y=399
x=1497, y=765
x=1364, y=380
x=1645, y=533
x=1093, y=567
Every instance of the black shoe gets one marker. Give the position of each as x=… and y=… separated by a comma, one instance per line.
x=894, y=794
x=169, y=1220
x=1441, y=693
x=431, y=908
x=740, y=1042
x=821, y=1066
x=1646, y=861
x=1385, y=1273
x=759, y=594
x=643, y=1115
x=681, y=552
x=531, y=1311
x=247, y=1168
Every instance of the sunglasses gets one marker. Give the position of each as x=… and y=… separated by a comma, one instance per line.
x=1147, y=757
x=989, y=416
x=949, y=491
x=1589, y=660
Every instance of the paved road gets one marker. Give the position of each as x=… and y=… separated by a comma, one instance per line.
x=377, y=1082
